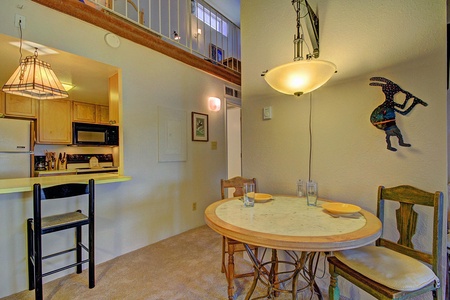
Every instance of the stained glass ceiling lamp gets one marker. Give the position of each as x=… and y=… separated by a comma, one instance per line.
x=303, y=75
x=35, y=79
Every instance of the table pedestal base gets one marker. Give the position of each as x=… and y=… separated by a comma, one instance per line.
x=301, y=265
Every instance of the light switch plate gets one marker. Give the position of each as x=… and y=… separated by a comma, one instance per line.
x=267, y=113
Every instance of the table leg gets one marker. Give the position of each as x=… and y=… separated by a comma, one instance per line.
x=303, y=264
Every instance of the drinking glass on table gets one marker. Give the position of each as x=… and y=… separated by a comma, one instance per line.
x=311, y=193
x=249, y=194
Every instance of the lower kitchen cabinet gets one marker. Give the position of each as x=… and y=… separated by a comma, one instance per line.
x=55, y=122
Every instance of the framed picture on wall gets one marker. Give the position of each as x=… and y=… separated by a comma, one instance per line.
x=200, y=129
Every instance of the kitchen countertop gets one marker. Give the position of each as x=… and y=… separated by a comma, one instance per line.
x=17, y=185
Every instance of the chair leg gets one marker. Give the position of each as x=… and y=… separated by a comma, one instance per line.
x=78, y=241
x=91, y=255
x=333, y=289
x=38, y=264
x=230, y=271
x=223, y=254
x=30, y=254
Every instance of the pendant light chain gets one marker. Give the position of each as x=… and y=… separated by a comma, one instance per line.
x=23, y=67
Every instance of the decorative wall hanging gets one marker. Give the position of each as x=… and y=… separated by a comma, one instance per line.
x=383, y=117
x=200, y=130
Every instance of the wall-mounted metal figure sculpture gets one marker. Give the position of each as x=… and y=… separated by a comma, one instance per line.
x=383, y=117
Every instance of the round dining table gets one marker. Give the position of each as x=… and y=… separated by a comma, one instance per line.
x=288, y=223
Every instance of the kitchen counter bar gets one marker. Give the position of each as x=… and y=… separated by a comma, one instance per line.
x=17, y=185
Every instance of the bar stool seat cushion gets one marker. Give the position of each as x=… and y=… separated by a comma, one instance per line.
x=390, y=268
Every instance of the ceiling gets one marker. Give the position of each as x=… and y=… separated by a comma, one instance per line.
x=229, y=8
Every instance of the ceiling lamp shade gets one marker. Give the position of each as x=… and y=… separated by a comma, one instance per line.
x=35, y=79
x=300, y=77
x=303, y=75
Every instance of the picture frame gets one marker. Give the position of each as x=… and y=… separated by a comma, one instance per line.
x=200, y=127
x=216, y=53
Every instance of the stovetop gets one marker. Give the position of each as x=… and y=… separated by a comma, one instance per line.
x=84, y=158
x=81, y=163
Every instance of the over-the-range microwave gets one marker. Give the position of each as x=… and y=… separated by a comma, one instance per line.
x=85, y=134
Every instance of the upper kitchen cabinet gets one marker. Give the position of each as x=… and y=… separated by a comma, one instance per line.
x=55, y=122
x=90, y=113
x=84, y=112
x=2, y=103
x=114, y=99
x=102, y=113
x=19, y=106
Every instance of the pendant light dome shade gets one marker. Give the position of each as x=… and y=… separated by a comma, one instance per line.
x=35, y=79
x=300, y=77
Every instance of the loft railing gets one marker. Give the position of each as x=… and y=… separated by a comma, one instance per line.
x=190, y=24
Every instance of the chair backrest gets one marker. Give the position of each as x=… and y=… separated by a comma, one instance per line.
x=62, y=191
x=237, y=183
x=406, y=218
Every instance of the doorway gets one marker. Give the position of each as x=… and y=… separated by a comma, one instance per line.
x=233, y=126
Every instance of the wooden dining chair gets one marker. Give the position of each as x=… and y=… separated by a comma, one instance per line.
x=230, y=246
x=395, y=269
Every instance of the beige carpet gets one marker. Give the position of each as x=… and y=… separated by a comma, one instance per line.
x=186, y=266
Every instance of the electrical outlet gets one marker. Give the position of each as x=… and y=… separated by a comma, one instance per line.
x=194, y=206
x=19, y=20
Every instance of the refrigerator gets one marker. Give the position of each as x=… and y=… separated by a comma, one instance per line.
x=15, y=148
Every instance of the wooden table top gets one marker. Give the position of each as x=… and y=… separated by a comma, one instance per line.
x=287, y=223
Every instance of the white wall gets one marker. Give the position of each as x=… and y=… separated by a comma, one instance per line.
x=157, y=203
x=349, y=155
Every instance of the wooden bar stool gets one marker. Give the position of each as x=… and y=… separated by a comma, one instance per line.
x=39, y=225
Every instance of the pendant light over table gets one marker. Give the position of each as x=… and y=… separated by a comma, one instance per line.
x=303, y=75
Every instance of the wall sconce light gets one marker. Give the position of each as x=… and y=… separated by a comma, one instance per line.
x=176, y=36
x=199, y=32
x=214, y=104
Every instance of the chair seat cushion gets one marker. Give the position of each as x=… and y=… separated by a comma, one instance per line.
x=392, y=269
